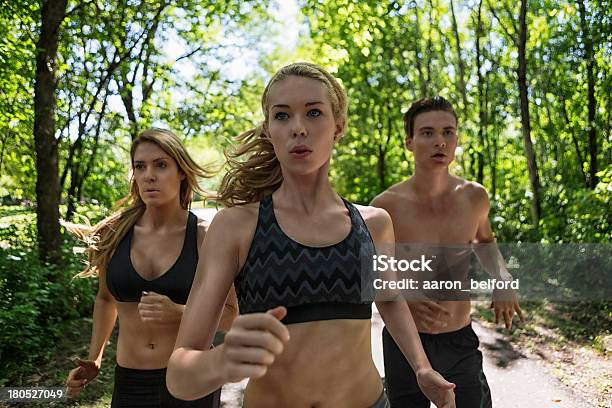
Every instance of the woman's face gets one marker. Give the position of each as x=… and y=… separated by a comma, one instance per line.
x=301, y=124
x=156, y=174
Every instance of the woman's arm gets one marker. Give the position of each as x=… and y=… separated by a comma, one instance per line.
x=395, y=313
x=230, y=309
x=104, y=317
x=195, y=370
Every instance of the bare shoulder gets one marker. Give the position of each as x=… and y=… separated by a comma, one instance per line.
x=377, y=220
x=237, y=216
x=231, y=229
x=473, y=191
x=391, y=197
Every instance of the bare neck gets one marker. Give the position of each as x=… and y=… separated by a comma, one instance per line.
x=164, y=216
x=308, y=193
x=431, y=184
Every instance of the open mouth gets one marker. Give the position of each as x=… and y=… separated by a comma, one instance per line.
x=439, y=155
x=300, y=151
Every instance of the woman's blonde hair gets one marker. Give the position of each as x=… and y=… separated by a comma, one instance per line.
x=259, y=174
x=102, y=239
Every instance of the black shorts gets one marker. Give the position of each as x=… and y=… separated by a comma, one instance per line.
x=147, y=388
x=455, y=355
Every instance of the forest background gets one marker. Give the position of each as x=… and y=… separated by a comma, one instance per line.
x=531, y=81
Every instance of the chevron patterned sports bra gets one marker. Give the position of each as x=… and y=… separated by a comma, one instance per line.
x=313, y=283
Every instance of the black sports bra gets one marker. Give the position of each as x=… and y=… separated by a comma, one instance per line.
x=126, y=285
x=313, y=283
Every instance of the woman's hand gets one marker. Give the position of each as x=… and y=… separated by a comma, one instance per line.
x=436, y=388
x=79, y=377
x=159, y=309
x=253, y=343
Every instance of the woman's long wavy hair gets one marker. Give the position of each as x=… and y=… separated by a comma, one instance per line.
x=254, y=170
x=102, y=239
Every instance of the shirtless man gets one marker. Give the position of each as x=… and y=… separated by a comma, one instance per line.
x=436, y=208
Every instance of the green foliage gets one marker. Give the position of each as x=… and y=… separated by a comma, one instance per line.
x=16, y=108
x=117, y=76
x=585, y=323
x=37, y=301
x=390, y=53
x=108, y=181
x=366, y=46
x=579, y=214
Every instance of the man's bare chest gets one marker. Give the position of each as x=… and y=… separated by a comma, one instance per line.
x=447, y=225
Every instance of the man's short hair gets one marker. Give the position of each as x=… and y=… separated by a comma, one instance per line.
x=435, y=103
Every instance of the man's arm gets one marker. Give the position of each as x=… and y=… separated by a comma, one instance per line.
x=505, y=302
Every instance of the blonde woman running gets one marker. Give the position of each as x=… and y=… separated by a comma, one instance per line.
x=292, y=246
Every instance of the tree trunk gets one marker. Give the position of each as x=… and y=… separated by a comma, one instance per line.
x=419, y=55
x=577, y=150
x=128, y=103
x=71, y=196
x=2, y=151
x=47, y=183
x=94, y=152
x=128, y=85
x=526, y=126
x=494, y=165
x=592, y=103
x=462, y=88
x=481, y=114
x=381, y=167
x=551, y=128
x=429, y=55
x=608, y=128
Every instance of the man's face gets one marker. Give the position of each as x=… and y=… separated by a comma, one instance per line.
x=434, y=139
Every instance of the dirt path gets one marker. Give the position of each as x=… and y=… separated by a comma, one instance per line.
x=518, y=381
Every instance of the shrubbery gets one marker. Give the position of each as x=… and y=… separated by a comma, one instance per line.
x=38, y=302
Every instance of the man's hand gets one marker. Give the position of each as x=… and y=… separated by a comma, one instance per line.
x=505, y=304
x=429, y=316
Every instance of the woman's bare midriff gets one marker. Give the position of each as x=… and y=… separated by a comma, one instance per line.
x=143, y=346
x=325, y=364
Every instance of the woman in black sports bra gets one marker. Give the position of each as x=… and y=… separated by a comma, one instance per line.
x=145, y=257
x=293, y=248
